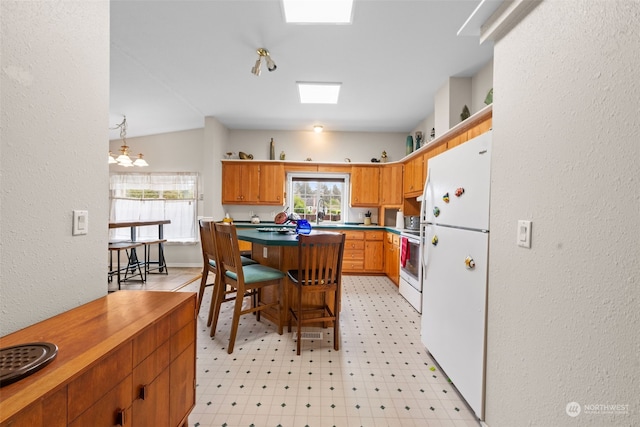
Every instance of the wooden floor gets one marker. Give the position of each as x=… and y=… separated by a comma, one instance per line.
x=177, y=278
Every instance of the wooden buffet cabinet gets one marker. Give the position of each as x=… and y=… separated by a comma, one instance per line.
x=126, y=359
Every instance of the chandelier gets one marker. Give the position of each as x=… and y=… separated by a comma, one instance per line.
x=123, y=159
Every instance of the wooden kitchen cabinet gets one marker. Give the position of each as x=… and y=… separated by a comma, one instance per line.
x=271, y=178
x=252, y=183
x=363, y=252
x=124, y=359
x=392, y=257
x=353, y=256
x=414, y=176
x=374, y=251
x=240, y=183
x=365, y=186
x=432, y=152
x=391, y=185
x=480, y=128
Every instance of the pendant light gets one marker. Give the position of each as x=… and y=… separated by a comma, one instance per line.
x=123, y=159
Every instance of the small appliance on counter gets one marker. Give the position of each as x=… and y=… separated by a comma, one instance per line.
x=412, y=222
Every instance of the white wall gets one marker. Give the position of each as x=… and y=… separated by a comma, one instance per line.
x=320, y=147
x=481, y=83
x=55, y=98
x=564, y=316
x=201, y=150
x=169, y=152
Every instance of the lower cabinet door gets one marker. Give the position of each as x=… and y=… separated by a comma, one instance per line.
x=182, y=391
x=113, y=409
x=151, y=404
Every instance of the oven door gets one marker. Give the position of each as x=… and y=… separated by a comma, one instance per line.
x=411, y=271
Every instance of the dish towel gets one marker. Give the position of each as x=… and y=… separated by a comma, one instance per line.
x=404, y=251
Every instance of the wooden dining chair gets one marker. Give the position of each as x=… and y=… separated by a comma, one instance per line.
x=246, y=280
x=318, y=283
x=209, y=261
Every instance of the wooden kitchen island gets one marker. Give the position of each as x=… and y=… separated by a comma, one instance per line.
x=279, y=251
x=125, y=359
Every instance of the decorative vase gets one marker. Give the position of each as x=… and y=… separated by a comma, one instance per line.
x=303, y=227
x=272, y=153
x=409, y=144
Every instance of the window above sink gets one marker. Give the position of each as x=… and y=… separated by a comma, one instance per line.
x=320, y=198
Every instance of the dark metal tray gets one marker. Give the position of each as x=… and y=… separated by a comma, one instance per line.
x=19, y=361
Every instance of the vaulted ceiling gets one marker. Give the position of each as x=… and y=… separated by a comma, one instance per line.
x=173, y=63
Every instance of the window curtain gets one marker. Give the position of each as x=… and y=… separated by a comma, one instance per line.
x=153, y=196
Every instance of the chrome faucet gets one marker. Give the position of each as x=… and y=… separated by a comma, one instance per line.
x=319, y=213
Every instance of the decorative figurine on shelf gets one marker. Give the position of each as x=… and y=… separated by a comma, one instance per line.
x=282, y=155
x=489, y=99
x=374, y=160
x=409, y=144
x=418, y=139
x=383, y=157
x=465, y=114
x=433, y=133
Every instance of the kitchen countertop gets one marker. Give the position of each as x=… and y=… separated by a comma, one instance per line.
x=271, y=238
x=250, y=233
x=328, y=227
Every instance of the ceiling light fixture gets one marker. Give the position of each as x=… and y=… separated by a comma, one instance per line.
x=317, y=128
x=123, y=159
x=317, y=11
x=263, y=53
x=318, y=93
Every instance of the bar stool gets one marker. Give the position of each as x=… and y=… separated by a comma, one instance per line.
x=132, y=261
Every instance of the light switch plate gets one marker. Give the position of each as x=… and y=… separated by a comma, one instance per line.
x=524, y=233
x=80, y=222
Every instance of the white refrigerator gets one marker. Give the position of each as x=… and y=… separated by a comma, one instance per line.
x=455, y=236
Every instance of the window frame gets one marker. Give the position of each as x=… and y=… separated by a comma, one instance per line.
x=187, y=233
x=320, y=176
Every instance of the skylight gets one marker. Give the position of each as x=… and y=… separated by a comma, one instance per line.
x=317, y=11
x=319, y=93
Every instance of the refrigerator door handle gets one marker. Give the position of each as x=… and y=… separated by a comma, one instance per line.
x=423, y=204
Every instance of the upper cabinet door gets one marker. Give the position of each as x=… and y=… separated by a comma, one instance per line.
x=240, y=183
x=252, y=183
x=391, y=185
x=271, y=184
x=365, y=186
x=413, y=176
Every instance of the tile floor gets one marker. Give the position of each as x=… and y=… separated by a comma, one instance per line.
x=381, y=376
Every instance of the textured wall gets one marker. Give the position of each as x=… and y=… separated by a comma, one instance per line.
x=564, y=316
x=55, y=98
